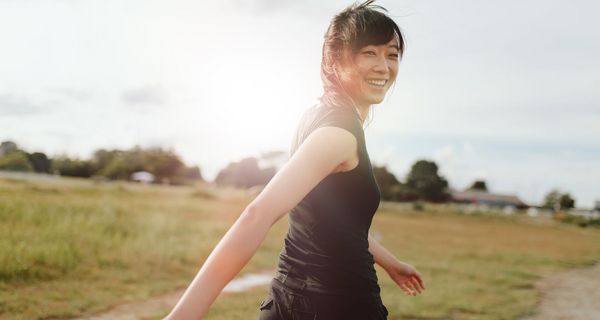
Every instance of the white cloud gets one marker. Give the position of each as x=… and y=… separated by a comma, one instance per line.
x=13, y=105
x=146, y=96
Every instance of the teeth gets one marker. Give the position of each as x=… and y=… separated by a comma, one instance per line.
x=380, y=83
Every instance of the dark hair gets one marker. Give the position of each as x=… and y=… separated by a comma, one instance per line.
x=356, y=26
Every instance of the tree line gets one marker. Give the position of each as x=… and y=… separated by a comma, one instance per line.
x=165, y=165
x=423, y=181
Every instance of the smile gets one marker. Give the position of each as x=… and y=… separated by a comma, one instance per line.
x=377, y=83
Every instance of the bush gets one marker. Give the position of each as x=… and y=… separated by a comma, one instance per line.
x=73, y=167
x=579, y=220
x=418, y=205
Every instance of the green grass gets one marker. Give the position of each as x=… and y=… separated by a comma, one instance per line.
x=72, y=247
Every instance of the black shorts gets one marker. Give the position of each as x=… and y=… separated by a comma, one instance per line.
x=285, y=301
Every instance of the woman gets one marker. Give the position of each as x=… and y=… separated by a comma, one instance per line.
x=325, y=270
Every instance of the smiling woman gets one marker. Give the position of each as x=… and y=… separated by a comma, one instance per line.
x=371, y=72
x=326, y=268
x=353, y=49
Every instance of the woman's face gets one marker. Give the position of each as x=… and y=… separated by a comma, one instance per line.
x=375, y=69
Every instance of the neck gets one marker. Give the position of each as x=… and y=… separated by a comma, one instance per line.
x=335, y=97
x=363, y=110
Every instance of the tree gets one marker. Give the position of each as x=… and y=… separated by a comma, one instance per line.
x=15, y=161
x=424, y=179
x=402, y=192
x=244, y=174
x=386, y=182
x=556, y=200
x=102, y=158
x=164, y=164
x=552, y=199
x=117, y=169
x=192, y=173
x=566, y=201
x=73, y=167
x=40, y=162
x=479, y=185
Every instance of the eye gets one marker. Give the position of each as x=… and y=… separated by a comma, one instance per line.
x=369, y=52
x=394, y=55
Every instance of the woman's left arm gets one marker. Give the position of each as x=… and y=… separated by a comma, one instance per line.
x=404, y=274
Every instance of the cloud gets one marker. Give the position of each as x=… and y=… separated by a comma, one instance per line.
x=261, y=5
x=14, y=105
x=268, y=7
x=44, y=102
x=72, y=94
x=146, y=96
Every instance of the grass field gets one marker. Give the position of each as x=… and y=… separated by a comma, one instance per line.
x=72, y=247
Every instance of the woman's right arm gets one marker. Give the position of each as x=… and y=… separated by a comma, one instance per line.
x=321, y=152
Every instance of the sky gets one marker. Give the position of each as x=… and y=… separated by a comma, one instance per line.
x=505, y=91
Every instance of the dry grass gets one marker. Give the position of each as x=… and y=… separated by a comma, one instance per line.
x=70, y=247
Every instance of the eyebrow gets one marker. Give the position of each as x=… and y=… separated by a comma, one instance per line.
x=397, y=47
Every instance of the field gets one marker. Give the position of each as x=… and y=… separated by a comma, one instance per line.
x=74, y=247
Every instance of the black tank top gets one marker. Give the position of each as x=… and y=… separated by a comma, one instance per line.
x=326, y=246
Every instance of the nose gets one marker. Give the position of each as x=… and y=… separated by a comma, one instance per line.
x=381, y=65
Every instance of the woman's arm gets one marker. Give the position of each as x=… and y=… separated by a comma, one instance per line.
x=382, y=256
x=229, y=256
x=404, y=274
x=320, y=153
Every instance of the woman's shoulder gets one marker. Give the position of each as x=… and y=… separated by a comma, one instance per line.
x=331, y=115
x=338, y=116
x=323, y=115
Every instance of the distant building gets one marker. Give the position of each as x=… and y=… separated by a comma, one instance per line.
x=489, y=199
x=143, y=177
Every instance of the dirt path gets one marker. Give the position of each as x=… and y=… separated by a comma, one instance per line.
x=570, y=295
x=150, y=308
x=145, y=309
x=567, y=295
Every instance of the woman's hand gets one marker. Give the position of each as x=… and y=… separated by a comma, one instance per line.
x=407, y=277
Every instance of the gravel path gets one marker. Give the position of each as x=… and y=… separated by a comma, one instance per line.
x=570, y=295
